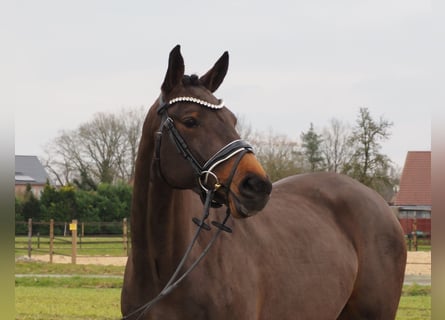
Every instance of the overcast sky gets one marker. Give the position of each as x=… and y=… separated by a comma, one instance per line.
x=291, y=62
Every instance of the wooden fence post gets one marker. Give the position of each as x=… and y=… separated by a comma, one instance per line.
x=73, y=229
x=51, y=240
x=29, y=237
x=125, y=234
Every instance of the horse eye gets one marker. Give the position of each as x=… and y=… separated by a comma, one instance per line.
x=190, y=122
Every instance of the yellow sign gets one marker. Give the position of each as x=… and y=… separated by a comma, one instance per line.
x=73, y=226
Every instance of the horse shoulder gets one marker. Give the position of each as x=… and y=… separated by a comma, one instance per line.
x=361, y=216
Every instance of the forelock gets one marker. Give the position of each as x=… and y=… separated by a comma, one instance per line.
x=192, y=80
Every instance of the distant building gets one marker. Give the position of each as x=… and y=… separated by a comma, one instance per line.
x=413, y=201
x=29, y=170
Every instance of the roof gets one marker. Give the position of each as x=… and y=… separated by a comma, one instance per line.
x=415, y=182
x=28, y=169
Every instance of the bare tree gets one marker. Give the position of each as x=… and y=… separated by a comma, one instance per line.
x=244, y=128
x=336, y=147
x=102, y=141
x=278, y=155
x=62, y=159
x=133, y=120
x=101, y=150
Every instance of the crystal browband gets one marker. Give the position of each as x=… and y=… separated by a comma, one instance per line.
x=198, y=101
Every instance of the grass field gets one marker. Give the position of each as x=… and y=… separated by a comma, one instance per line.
x=74, y=297
x=76, y=269
x=99, y=303
x=98, y=298
x=50, y=303
x=414, y=308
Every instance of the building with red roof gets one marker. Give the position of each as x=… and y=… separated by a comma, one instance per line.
x=413, y=201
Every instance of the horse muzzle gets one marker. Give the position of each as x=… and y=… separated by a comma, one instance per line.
x=247, y=186
x=251, y=196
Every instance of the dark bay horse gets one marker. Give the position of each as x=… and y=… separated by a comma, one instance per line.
x=323, y=246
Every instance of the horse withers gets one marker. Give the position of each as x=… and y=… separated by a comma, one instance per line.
x=323, y=246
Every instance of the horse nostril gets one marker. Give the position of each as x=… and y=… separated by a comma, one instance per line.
x=254, y=185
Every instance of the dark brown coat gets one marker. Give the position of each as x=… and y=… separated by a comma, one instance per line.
x=323, y=247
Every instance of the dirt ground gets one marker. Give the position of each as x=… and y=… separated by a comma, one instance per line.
x=418, y=263
x=99, y=260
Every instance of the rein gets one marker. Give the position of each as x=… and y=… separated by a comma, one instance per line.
x=174, y=279
x=236, y=147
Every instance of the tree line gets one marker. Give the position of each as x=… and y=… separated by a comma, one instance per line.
x=93, y=164
x=109, y=202
x=353, y=150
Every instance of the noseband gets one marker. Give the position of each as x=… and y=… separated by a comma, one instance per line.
x=203, y=172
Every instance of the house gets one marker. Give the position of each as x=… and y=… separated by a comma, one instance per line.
x=413, y=201
x=29, y=170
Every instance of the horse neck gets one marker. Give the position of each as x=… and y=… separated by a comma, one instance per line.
x=168, y=224
x=160, y=220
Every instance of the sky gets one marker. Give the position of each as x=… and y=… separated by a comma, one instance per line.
x=292, y=63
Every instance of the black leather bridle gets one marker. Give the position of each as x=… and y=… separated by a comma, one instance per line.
x=203, y=171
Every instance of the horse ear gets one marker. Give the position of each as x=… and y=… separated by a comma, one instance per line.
x=175, y=70
x=215, y=76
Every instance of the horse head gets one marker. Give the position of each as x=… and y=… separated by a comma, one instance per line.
x=197, y=145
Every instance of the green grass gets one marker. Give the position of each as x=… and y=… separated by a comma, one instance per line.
x=97, y=299
x=422, y=245
x=416, y=290
x=50, y=303
x=89, y=246
x=414, y=308
x=82, y=303
x=95, y=304
x=415, y=303
x=109, y=276
x=69, y=282
x=70, y=298
x=56, y=268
